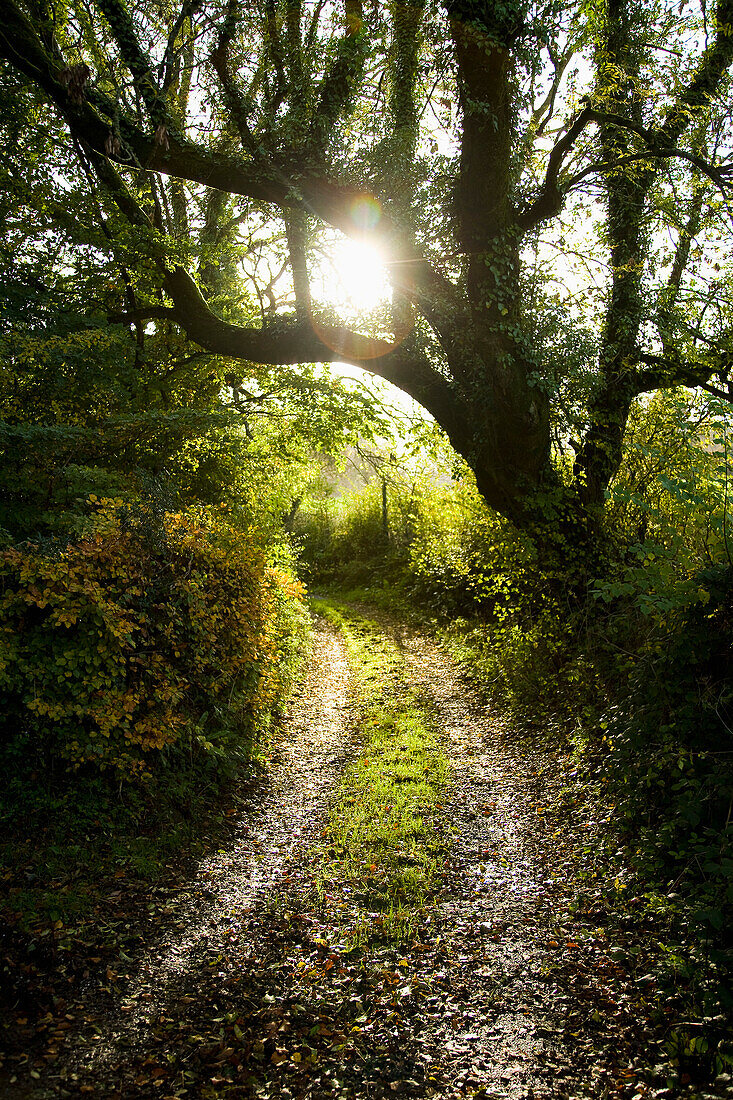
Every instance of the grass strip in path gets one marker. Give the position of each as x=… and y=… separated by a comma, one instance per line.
x=380, y=843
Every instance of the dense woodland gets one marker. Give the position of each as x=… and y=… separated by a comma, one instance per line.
x=547, y=187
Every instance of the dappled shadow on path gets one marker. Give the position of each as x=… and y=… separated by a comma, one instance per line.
x=502, y=1022
x=125, y=1038
x=250, y=991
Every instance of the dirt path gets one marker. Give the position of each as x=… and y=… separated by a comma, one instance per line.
x=507, y=989
x=233, y=883
x=230, y=885
x=500, y=1021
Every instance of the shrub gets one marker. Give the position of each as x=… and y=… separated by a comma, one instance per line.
x=144, y=633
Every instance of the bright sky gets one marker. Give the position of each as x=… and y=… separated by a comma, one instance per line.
x=352, y=279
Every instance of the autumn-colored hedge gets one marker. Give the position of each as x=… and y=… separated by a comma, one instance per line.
x=144, y=633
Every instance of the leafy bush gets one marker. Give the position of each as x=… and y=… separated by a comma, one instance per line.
x=668, y=739
x=148, y=631
x=441, y=543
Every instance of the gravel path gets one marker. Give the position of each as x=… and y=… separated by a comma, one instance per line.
x=507, y=991
x=232, y=884
x=231, y=887
x=499, y=1020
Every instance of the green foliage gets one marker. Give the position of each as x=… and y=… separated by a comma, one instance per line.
x=667, y=746
x=440, y=541
x=120, y=635
x=147, y=632
x=343, y=537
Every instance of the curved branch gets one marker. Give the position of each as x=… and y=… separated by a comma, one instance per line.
x=550, y=199
x=292, y=342
x=331, y=203
x=661, y=140
x=658, y=148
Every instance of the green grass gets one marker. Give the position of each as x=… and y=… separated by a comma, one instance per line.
x=381, y=839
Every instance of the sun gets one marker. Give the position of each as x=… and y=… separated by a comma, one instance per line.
x=353, y=310
x=352, y=278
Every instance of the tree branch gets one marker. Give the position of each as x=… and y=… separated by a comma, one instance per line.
x=339, y=81
x=661, y=141
x=681, y=255
x=668, y=371
x=713, y=67
x=220, y=62
x=543, y=112
x=291, y=342
x=276, y=56
x=137, y=61
x=166, y=68
x=550, y=199
x=658, y=148
x=143, y=313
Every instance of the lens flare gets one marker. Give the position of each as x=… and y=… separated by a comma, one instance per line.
x=365, y=213
x=352, y=281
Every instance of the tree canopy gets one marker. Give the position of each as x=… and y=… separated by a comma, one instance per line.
x=548, y=185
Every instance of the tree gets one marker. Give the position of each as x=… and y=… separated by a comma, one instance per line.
x=91, y=405
x=227, y=116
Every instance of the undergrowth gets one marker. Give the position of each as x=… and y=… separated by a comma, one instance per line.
x=141, y=665
x=63, y=841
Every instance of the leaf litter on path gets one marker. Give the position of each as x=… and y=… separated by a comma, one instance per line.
x=504, y=988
